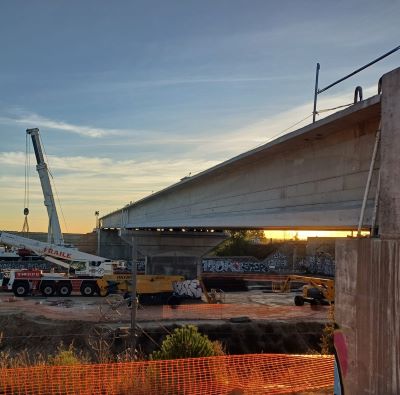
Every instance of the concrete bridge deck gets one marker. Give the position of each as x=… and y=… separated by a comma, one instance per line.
x=312, y=178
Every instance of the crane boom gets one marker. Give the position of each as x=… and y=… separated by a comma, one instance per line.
x=66, y=257
x=54, y=231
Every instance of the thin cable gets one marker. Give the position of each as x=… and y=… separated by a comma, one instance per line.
x=26, y=168
x=290, y=127
x=29, y=172
x=280, y=133
x=25, y=227
x=334, y=108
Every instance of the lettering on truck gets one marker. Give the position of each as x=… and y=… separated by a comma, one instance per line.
x=28, y=274
x=59, y=254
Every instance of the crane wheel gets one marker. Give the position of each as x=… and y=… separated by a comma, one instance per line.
x=88, y=289
x=47, y=289
x=299, y=300
x=64, y=289
x=20, y=288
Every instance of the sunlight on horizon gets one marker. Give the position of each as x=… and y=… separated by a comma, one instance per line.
x=304, y=234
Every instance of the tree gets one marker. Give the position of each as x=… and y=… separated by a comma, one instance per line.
x=242, y=243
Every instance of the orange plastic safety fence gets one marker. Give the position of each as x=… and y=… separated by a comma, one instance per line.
x=226, y=311
x=235, y=374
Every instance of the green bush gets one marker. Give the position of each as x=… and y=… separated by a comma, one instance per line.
x=66, y=356
x=187, y=342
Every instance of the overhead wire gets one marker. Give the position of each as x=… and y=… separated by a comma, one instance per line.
x=334, y=108
x=25, y=227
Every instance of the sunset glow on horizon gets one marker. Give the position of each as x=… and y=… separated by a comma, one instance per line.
x=304, y=234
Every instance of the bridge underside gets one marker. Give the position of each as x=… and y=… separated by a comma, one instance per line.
x=313, y=178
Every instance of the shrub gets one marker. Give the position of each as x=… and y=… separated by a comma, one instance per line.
x=187, y=342
x=66, y=356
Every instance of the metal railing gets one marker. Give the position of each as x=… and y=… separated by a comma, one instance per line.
x=358, y=92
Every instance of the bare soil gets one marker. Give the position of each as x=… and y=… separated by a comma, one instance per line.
x=270, y=323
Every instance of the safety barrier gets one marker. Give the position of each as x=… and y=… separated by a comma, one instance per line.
x=119, y=311
x=253, y=311
x=250, y=374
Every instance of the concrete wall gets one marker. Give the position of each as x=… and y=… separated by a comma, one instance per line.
x=367, y=311
x=112, y=246
x=172, y=252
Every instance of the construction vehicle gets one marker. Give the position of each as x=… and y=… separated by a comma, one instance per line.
x=150, y=289
x=76, y=262
x=214, y=296
x=25, y=282
x=315, y=290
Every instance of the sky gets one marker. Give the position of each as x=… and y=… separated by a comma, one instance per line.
x=131, y=96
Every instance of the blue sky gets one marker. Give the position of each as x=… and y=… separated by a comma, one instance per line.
x=131, y=96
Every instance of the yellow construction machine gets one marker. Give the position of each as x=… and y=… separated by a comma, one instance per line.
x=151, y=289
x=315, y=290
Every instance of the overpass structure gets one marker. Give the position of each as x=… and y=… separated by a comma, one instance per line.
x=312, y=178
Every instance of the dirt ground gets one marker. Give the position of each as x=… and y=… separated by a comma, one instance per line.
x=248, y=322
x=253, y=304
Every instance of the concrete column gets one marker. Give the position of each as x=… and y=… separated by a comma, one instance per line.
x=389, y=202
x=368, y=314
x=367, y=301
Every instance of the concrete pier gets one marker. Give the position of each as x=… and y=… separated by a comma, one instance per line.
x=368, y=273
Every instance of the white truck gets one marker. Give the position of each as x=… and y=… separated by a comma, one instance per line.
x=25, y=282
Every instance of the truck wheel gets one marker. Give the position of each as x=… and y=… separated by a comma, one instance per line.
x=64, y=289
x=47, y=289
x=88, y=289
x=298, y=300
x=20, y=288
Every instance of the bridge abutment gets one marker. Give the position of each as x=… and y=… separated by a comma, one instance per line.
x=368, y=274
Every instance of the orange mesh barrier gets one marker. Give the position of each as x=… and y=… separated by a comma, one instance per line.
x=226, y=311
x=235, y=374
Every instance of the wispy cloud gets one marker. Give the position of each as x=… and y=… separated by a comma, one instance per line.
x=32, y=119
x=166, y=169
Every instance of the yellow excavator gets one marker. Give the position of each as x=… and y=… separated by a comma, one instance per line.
x=315, y=290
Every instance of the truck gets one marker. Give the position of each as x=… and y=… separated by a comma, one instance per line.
x=316, y=290
x=30, y=282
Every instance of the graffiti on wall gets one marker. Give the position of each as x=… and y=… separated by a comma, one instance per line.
x=236, y=265
x=276, y=261
x=322, y=263
x=188, y=288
